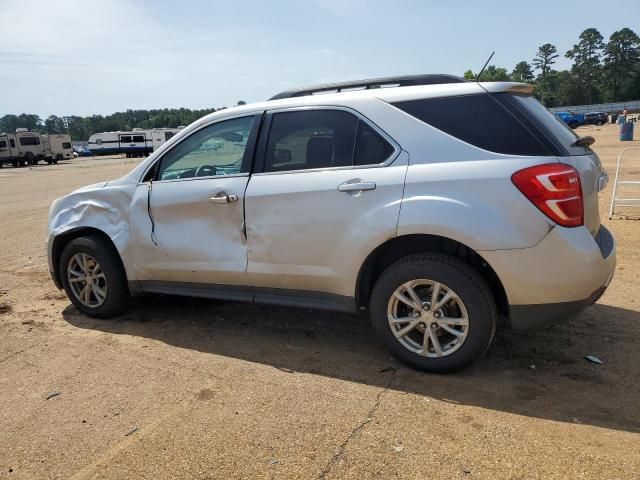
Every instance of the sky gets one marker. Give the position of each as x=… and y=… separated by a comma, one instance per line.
x=83, y=57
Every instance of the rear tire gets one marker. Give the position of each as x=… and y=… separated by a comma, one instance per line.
x=469, y=315
x=573, y=124
x=93, y=263
x=599, y=123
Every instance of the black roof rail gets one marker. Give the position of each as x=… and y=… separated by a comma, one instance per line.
x=402, y=81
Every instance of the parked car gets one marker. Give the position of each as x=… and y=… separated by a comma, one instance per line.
x=574, y=120
x=376, y=200
x=596, y=118
x=82, y=151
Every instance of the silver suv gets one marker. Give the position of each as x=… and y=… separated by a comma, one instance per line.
x=436, y=204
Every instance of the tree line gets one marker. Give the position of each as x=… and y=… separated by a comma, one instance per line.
x=600, y=71
x=81, y=128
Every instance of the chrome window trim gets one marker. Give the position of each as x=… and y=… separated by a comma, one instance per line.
x=396, y=147
x=209, y=177
x=204, y=125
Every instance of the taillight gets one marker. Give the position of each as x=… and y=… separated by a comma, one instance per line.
x=555, y=189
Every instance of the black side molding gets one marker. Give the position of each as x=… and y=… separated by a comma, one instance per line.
x=241, y=293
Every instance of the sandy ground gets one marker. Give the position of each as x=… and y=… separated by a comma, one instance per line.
x=182, y=388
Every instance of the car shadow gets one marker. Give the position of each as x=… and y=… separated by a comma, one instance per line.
x=539, y=374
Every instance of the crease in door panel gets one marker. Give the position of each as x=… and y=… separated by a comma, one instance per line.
x=404, y=186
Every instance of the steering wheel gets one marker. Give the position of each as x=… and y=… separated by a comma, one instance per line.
x=205, y=171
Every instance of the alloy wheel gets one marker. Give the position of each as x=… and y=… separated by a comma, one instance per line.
x=87, y=280
x=428, y=318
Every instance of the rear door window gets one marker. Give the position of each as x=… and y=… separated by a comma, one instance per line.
x=323, y=138
x=371, y=148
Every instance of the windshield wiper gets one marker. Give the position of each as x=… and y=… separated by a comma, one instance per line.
x=585, y=141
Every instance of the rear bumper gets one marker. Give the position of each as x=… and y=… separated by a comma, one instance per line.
x=566, y=272
x=544, y=315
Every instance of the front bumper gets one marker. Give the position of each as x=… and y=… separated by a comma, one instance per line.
x=52, y=272
x=563, y=274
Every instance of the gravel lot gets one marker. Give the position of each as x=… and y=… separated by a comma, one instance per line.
x=184, y=388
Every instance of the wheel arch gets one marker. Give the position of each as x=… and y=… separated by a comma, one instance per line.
x=398, y=247
x=62, y=240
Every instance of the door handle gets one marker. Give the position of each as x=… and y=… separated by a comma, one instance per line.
x=357, y=186
x=222, y=197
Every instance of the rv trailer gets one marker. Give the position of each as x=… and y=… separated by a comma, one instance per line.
x=9, y=150
x=134, y=143
x=30, y=148
x=161, y=135
x=57, y=147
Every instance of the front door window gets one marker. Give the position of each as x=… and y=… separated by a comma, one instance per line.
x=218, y=149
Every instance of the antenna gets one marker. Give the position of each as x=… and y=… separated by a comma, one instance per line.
x=484, y=66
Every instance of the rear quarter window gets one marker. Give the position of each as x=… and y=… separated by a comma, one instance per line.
x=552, y=127
x=479, y=120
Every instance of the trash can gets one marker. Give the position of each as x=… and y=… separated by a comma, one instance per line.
x=613, y=117
x=626, y=132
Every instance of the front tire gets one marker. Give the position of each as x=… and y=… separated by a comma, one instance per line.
x=93, y=277
x=573, y=124
x=443, y=337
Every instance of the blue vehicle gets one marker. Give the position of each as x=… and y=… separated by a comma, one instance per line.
x=574, y=120
x=82, y=151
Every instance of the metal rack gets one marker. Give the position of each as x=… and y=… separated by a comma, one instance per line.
x=623, y=202
x=403, y=81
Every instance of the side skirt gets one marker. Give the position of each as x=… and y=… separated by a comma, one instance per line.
x=241, y=293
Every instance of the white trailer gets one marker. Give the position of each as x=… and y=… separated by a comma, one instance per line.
x=9, y=149
x=57, y=147
x=30, y=148
x=161, y=135
x=133, y=143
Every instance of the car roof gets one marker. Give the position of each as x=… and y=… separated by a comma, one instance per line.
x=344, y=99
x=390, y=94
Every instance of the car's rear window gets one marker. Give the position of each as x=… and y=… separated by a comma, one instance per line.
x=502, y=123
x=552, y=126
